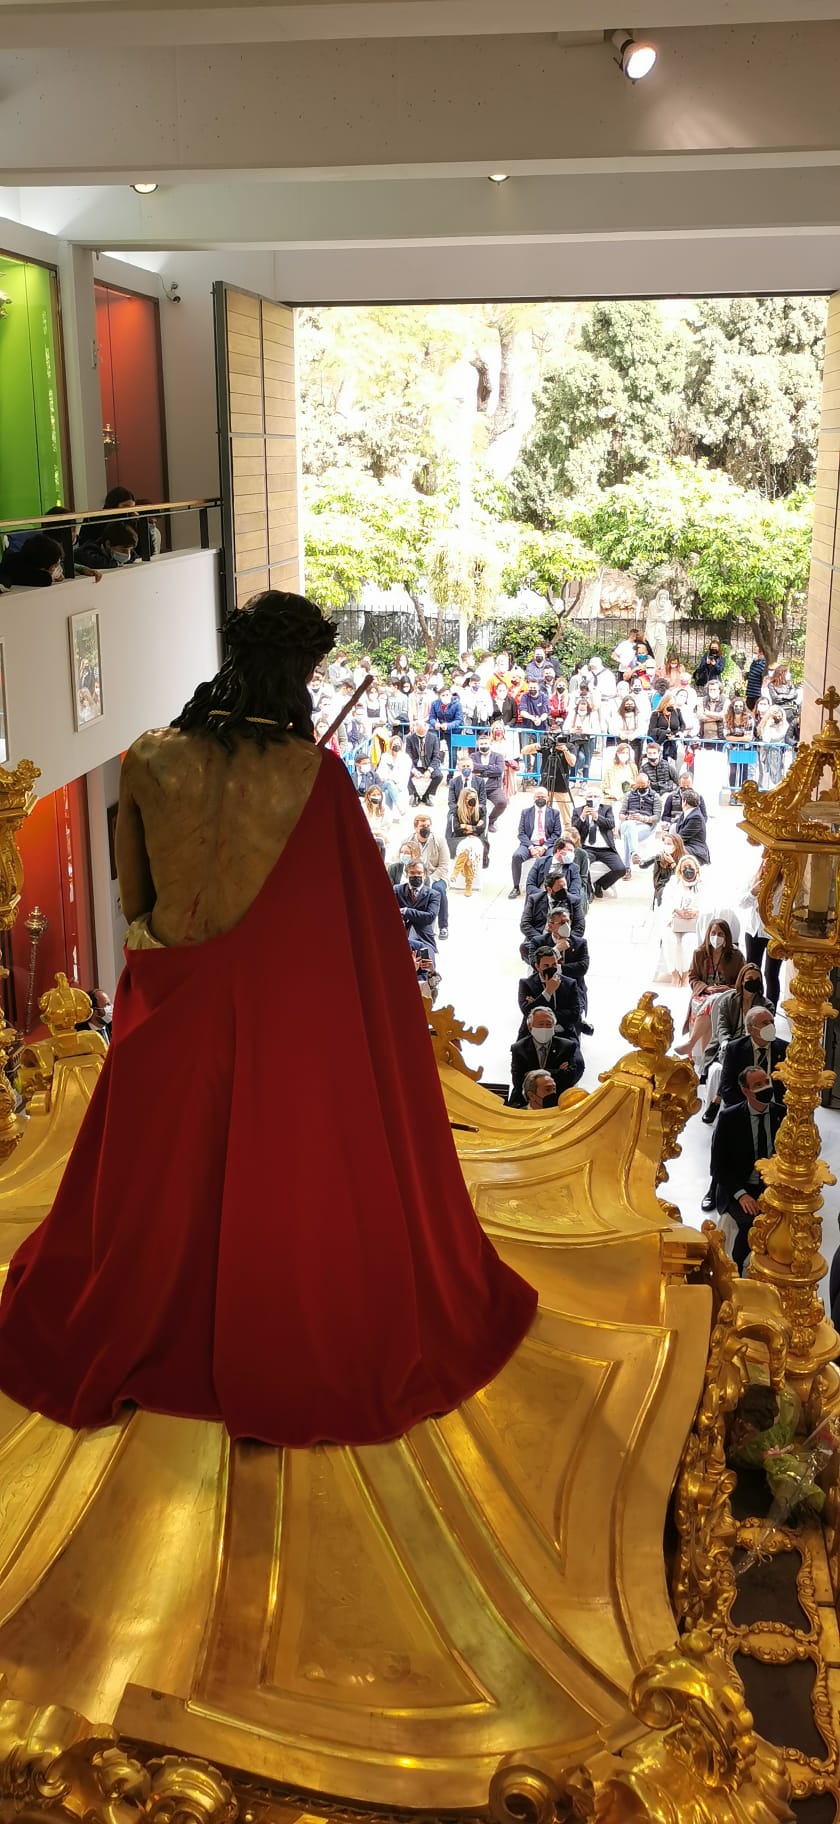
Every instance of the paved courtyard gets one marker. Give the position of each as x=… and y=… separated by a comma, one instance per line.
x=480, y=968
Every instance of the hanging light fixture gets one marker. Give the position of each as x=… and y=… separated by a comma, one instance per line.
x=634, y=60
x=144, y=189
x=498, y=177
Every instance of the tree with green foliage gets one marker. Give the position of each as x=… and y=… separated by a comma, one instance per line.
x=552, y=564
x=730, y=553
x=611, y=403
x=753, y=386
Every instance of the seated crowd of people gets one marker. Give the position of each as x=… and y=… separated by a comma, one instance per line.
x=493, y=728
x=36, y=559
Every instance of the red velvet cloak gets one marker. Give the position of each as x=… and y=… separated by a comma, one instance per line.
x=263, y=1219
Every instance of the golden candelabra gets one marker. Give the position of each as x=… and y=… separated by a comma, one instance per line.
x=798, y=822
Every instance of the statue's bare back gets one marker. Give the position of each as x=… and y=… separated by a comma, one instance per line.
x=200, y=829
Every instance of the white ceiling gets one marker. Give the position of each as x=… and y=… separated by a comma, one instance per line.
x=354, y=140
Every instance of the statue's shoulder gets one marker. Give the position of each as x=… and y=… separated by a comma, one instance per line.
x=155, y=749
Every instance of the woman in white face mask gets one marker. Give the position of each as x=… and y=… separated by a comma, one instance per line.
x=715, y=966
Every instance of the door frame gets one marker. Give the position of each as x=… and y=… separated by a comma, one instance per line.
x=57, y=321
x=128, y=291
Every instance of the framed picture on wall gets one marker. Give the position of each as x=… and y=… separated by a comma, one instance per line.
x=4, y=714
x=85, y=667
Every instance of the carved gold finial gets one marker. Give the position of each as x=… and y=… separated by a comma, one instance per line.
x=648, y=1026
x=63, y=1007
x=829, y=701
x=448, y=1033
x=16, y=800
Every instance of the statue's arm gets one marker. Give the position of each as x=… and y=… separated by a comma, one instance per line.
x=137, y=890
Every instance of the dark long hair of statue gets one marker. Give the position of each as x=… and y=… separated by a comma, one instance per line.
x=272, y=646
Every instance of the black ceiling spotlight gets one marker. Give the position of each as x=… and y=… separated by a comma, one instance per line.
x=634, y=60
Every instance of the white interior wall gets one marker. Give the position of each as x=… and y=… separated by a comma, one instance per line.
x=158, y=627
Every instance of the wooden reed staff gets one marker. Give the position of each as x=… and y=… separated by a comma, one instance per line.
x=350, y=704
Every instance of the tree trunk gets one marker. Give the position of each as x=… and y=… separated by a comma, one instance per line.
x=430, y=641
x=484, y=385
x=770, y=629
x=504, y=417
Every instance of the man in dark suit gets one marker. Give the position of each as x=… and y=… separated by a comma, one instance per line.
x=691, y=826
x=561, y=854
x=546, y=987
x=551, y=896
x=544, y=1048
x=759, y=1048
x=423, y=749
x=595, y=825
x=489, y=765
x=538, y=829
x=419, y=908
x=742, y=1135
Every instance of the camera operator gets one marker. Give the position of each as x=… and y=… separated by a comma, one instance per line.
x=556, y=759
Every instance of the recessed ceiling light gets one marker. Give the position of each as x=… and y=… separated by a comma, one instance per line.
x=144, y=189
x=634, y=60
x=498, y=177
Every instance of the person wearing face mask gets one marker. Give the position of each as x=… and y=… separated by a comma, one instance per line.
x=672, y=807
x=595, y=825
x=543, y=1048
x=637, y=819
x=435, y=857
x=539, y=1090
x=619, y=774
x=715, y=966
x=712, y=711
x=744, y=1134
x=464, y=779
x=669, y=852
x=489, y=767
x=37, y=565
x=535, y=669
x=419, y=908
x=116, y=546
x=562, y=857
x=101, y=1014
x=376, y=812
x=729, y=1014
x=691, y=826
x=711, y=664
x=679, y=913
x=365, y=776
x=547, y=987
x=661, y=771
x=539, y=827
x=552, y=896
x=760, y=1048
x=423, y=750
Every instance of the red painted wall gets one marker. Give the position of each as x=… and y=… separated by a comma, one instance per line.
x=54, y=846
x=128, y=335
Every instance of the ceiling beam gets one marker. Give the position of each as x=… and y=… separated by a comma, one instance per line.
x=59, y=23
x=398, y=103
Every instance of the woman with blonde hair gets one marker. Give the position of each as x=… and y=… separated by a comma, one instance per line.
x=467, y=831
x=619, y=774
x=680, y=910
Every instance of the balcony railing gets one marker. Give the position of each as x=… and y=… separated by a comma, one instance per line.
x=61, y=526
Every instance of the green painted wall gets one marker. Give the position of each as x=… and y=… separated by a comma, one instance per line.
x=31, y=475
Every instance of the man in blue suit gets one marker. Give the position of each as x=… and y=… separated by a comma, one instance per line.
x=539, y=828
